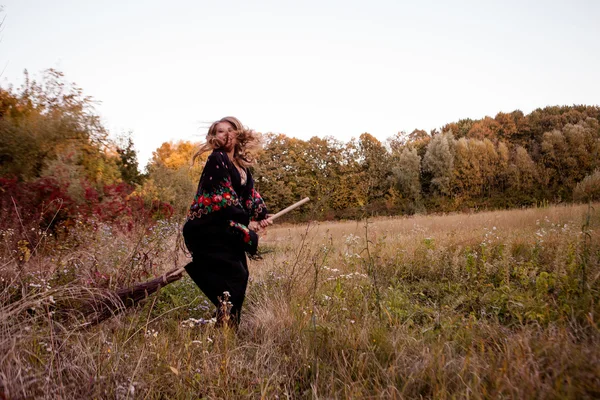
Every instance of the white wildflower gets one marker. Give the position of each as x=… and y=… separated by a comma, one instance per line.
x=151, y=333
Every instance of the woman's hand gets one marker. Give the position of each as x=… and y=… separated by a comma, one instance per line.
x=259, y=225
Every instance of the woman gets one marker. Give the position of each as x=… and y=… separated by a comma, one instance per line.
x=226, y=213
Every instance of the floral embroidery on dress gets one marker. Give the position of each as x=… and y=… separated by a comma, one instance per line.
x=244, y=230
x=256, y=206
x=216, y=192
x=207, y=202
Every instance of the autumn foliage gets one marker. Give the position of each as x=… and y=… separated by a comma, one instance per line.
x=54, y=152
x=58, y=166
x=512, y=160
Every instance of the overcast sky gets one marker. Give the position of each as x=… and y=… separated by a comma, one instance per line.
x=163, y=69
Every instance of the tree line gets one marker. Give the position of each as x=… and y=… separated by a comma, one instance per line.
x=53, y=146
x=512, y=160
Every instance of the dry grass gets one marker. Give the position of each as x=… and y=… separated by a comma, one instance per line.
x=487, y=305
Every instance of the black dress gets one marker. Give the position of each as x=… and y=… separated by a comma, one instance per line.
x=216, y=231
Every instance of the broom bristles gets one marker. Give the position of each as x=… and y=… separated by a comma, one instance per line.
x=134, y=294
x=113, y=302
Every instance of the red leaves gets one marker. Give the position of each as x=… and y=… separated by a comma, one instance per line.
x=44, y=203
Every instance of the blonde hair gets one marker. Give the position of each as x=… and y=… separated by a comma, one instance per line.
x=247, y=141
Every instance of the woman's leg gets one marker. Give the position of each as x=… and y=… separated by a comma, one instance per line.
x=215, y=278
x=206, y=282
x=239, y=288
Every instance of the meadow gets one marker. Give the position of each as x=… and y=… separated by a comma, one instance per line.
x=501, y=304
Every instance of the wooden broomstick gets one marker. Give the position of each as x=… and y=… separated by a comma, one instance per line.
x=114, y=302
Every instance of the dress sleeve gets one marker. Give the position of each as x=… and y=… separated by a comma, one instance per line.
x=248, y=237
x=259, y=209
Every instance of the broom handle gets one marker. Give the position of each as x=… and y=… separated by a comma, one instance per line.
x=290, y=208
x=272, y=217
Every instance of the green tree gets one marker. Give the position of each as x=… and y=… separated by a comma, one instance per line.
x=40, y=121
x=589, y=188
x=128, y=162
x=375, y=166
x=281, y=171
x=349, y=196
x=569, y=154
x=407, y=173
x=439, y=162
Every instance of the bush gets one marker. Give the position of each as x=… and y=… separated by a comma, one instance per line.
x=589, y=188
x=46, y=204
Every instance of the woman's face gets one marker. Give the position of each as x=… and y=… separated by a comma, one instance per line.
x=225, y=134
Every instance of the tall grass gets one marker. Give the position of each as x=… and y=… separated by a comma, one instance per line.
x=487, y=305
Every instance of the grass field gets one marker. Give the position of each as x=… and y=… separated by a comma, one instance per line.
x=488, y=305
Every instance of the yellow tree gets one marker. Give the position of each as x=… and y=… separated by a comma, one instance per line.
x=523, y=172
x=467, y=175
x=488, y=164
x=171, y=176
x=503, y=164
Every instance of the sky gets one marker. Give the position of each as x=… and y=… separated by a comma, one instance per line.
x=163, y=70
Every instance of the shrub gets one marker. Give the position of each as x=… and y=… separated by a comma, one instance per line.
x=46, y=204
x=589, y=188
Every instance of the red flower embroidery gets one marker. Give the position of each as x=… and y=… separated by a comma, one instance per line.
x=214, y=200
